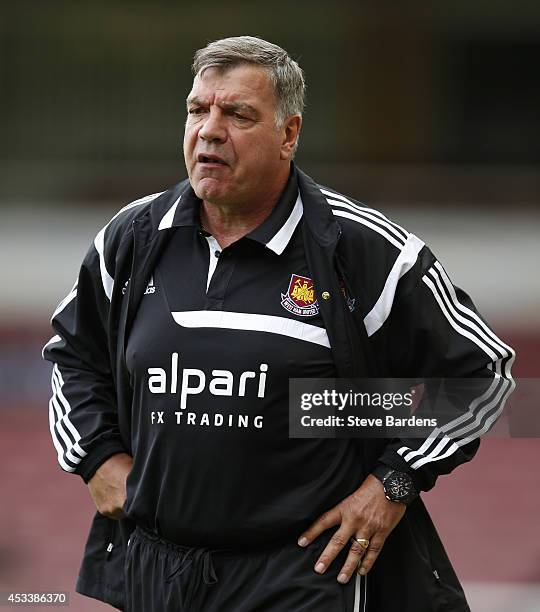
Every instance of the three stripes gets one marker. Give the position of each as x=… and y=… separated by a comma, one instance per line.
x=483, y=410
x=466, y=322
x=64, y=435
x=343, y=207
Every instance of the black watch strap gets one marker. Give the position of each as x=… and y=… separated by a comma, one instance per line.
x=381, y=472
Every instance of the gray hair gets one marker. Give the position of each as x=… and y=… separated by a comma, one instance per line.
x=285, y=74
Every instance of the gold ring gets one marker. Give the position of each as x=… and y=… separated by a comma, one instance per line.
x=363, y=543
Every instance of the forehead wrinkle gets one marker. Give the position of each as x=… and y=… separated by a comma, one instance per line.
x=205, y=89
x=230, y=106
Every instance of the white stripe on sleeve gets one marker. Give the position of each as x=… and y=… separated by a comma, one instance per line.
x=66, y=411
x=446, y=308
x=369, y=214
x=99, y=243
x=106, y=279
x=64, y=435
x=505, y=349
x=484, y=410
x=434, y=435
x=59, y=449
x=363, y=221
x=70, y=296
x=488, y=414
x=371, y=211
x=376, y=317
x=54, y=340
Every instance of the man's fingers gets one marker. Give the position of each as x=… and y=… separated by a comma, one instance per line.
x=375, y=547
x=116, y=513
x=336, y=543
x=324, y=522
x=351, y=564
x=107, y=486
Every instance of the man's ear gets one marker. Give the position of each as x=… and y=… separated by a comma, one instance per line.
x=291, y=132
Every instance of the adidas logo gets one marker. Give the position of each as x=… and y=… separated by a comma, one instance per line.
x=150, y=288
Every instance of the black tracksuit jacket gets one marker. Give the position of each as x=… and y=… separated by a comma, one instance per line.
x=407, y=322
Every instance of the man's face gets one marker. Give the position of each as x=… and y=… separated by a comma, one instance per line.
x=232, y=147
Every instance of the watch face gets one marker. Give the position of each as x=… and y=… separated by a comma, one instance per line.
x=399, y=487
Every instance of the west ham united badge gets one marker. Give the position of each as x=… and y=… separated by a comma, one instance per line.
x=300, y=297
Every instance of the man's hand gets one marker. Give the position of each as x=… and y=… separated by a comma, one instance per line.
x=108, y=485
x=365, y=514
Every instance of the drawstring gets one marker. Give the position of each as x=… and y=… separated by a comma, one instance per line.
x=200, y=561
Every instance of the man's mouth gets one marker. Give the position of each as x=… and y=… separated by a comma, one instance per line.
x=210, y=159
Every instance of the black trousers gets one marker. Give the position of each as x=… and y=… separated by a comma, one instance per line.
x=164, y=577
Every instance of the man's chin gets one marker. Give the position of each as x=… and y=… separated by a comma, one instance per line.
x=211, y=189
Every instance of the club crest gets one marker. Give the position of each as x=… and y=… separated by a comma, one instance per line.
x=300, y=297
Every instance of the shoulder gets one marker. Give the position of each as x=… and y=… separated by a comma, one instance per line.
x=369, y=241
x=154, y=207
x=375, y=251
x=360, y=222
x=113, y=241
x=121, y=221
x=329, y=213
x=102, y=256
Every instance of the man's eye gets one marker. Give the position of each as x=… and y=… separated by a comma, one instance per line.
x=195, y=111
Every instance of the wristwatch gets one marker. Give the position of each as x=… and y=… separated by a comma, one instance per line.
x=398, y=486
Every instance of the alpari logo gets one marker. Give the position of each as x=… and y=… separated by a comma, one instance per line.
x=194, y=382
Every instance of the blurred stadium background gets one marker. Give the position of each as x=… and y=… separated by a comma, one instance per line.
x=427, y=111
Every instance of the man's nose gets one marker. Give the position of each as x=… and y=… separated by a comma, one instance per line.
x=214, y=128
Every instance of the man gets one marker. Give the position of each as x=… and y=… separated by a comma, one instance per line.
x=173, y=352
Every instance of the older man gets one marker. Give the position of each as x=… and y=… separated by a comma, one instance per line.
x=173, y=352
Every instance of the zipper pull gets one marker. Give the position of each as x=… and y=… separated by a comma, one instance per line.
x=109, y=549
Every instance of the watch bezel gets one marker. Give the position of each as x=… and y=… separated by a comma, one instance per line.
x=395, y=477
